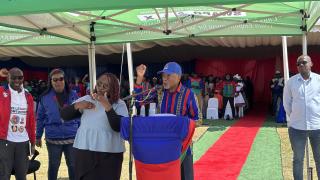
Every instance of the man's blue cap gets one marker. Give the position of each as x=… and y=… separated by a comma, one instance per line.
x=171, y=68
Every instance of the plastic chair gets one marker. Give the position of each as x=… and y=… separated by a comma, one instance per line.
x=152, y=109
x=228, y=111
x=34, y=165
x=212, y=110
x=143, y=111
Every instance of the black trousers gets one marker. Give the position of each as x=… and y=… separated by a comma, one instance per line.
x=147, y=107
x=225, y=102
x=13, y=156
x=91, y=165
x=187, y=168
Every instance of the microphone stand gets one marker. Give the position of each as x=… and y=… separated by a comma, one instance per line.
x=131, y=116
x=140, y=93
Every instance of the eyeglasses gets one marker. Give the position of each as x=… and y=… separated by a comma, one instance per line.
x=302, y=62
x=102, y=85
x=16, y=77
x=58, y=79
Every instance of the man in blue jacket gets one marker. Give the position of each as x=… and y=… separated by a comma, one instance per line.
x=59, y=135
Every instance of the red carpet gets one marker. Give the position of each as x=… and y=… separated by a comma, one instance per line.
x=225, y=158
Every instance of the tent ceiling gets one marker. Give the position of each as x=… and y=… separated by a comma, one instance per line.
x=232, y=42
x=22, y=7
x=158, y=54
x=68, y=23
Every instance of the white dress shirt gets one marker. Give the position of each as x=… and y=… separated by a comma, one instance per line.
x=301, y=100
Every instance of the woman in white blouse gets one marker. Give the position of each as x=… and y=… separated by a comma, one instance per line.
x=98, y=145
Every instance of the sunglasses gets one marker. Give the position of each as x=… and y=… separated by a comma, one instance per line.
x=58, y=79
x=302, y=62
x=16, y=77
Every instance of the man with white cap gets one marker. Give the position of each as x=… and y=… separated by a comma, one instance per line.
x=175, y=99
x=276, y=86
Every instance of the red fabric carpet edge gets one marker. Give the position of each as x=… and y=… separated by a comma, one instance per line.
x=225, y=158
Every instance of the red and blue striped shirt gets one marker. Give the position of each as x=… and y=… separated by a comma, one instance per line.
x=182, y=102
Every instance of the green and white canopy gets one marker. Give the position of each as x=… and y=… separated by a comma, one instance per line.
x=61, y=22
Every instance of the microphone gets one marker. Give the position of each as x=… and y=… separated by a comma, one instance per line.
x=155, y=88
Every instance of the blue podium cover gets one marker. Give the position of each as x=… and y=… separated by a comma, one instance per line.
x=154, y=137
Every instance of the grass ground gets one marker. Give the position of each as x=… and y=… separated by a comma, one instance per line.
x=63, y=172
x=215, y=129
x=264, y=160
x=286, y=154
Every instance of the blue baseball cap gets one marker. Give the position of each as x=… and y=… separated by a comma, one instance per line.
x=171, y=68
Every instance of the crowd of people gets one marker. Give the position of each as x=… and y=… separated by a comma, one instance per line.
x=64, y=113
x=85, y=126
x=230, y=88
x=85, y=129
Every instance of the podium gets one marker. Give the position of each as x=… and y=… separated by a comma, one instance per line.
x=158, y=143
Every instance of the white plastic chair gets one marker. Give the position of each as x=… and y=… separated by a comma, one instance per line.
x=152, y=109
x=143, y=111
x=228, y=111
x=212, y=110
x=240, y=113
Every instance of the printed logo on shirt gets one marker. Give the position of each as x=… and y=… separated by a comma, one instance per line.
x=17, y=119
x=21, y=129
x=5, y=94
x=14, y=128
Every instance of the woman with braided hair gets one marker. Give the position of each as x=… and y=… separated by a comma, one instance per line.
x=98, y=145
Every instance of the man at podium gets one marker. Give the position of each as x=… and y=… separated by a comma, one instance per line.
x=176, y=99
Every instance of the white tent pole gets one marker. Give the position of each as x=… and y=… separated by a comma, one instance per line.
x=130, y=67
x=304, y=44
x=92, y=59
x=285, y=64
x=309, y=168
x=285, y=59
x=92, y=66
x=133, y=108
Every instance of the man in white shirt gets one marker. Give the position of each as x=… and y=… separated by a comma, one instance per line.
x=17, y=127
x=301, y=100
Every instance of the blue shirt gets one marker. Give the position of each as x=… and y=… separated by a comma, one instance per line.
x=301, y=100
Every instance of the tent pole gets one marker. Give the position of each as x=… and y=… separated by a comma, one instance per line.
x=285, y=63
x=305, y=52
x=304, y=44
x=92, y=58
x=309, y=168
x=132, y=107
x=285, y=59
x=130, y=67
